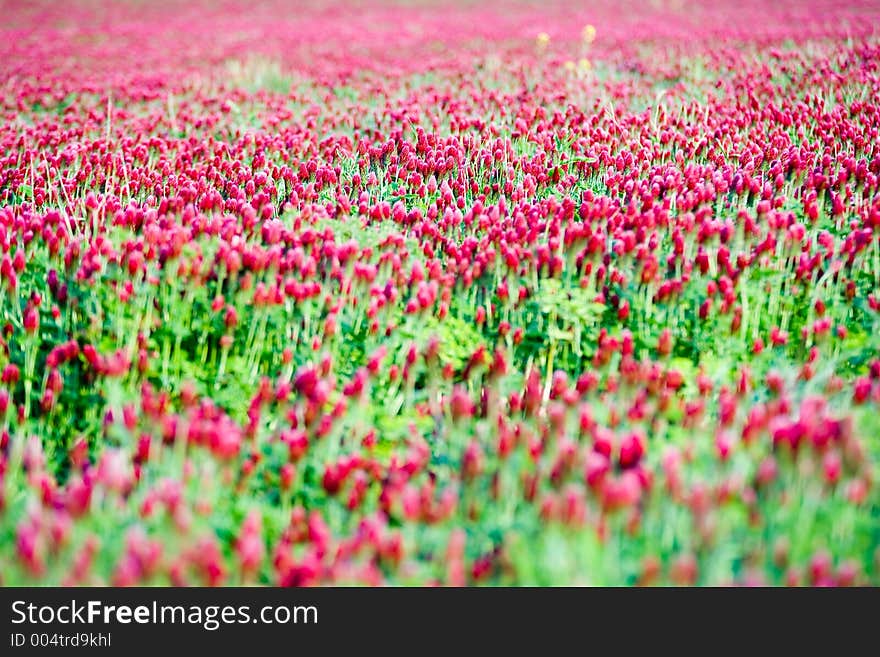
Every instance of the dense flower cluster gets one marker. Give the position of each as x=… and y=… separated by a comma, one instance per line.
x=496, y=293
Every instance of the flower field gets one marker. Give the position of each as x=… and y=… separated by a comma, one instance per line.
x=421, y=293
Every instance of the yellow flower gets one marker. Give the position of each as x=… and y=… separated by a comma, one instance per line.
x=588, y=34
x=542, y=40
x=584, y=65
x=569, y=65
